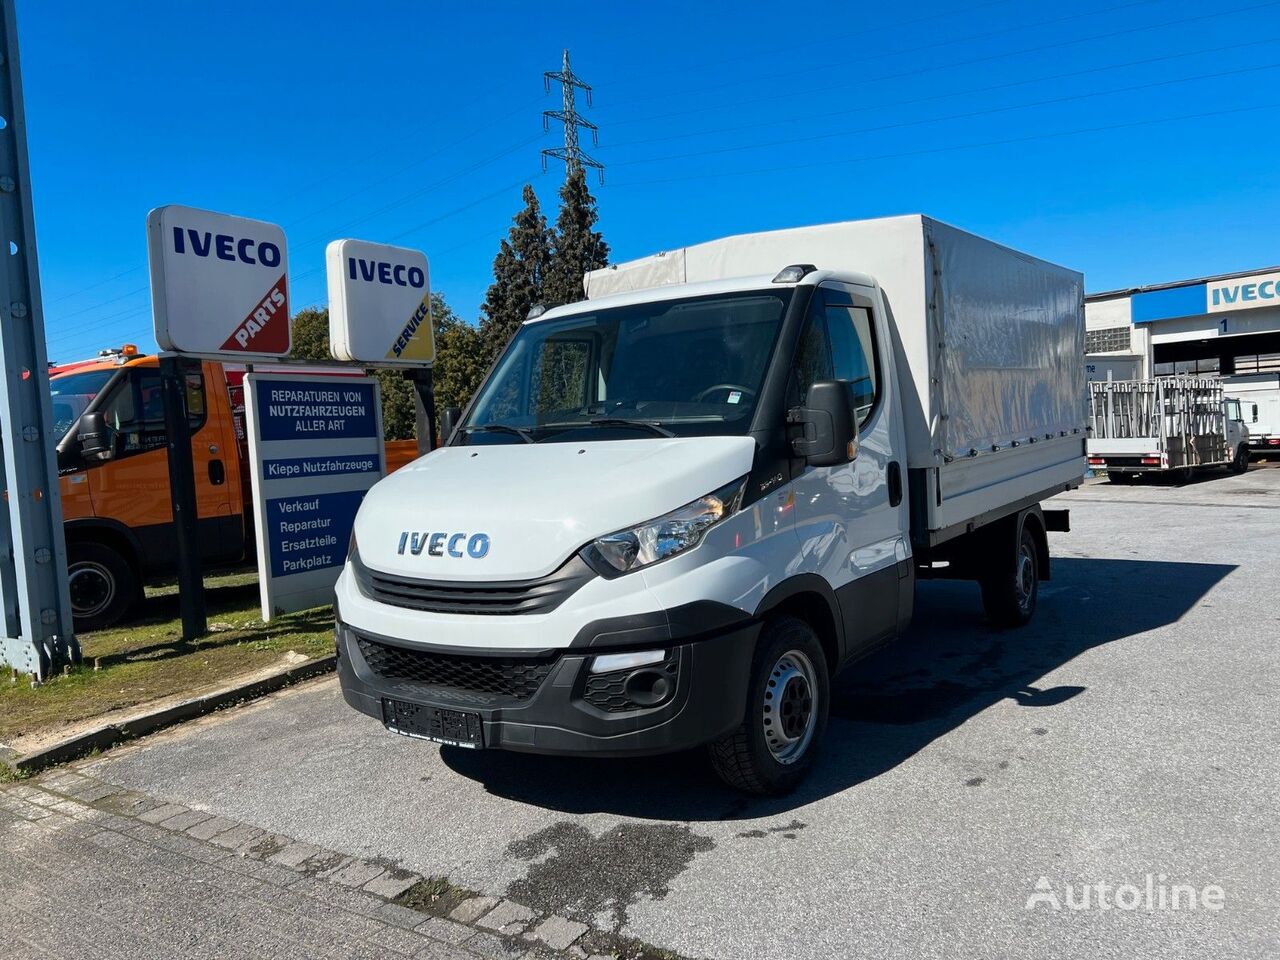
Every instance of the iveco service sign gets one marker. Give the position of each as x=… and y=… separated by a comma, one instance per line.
x=379, y=304
x=219, y=284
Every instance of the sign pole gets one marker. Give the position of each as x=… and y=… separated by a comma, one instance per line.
x=182, y=483
x=424, y=404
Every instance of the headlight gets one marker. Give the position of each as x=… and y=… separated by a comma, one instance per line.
x=351, y=544
x=664, y=536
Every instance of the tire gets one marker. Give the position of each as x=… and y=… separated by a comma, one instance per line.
x=1241, y=463
x=103, y=585
x=1009, y=596
x=770, y=753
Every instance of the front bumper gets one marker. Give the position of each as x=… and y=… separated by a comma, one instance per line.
x=709, y=657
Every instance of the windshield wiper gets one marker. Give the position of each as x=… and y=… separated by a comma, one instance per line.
x=657, y=428
x=520, y=432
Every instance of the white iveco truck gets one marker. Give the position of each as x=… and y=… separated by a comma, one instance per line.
x=676, y=509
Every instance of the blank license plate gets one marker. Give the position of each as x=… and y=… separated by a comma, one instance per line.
x=455, y=727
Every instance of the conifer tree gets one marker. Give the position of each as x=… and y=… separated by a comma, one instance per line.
x=576, y=246
x=519, y=275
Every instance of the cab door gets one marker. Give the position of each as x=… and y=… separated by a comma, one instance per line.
x=133, y=487
x=852, y=518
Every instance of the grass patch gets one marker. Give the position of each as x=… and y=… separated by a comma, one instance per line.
x=623, y=948
x=147, y=660
x=10, y=775
x=434, y=895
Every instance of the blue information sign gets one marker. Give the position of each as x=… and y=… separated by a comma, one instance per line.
x=316, y=447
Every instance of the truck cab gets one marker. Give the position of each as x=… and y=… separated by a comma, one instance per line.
x=116, y=502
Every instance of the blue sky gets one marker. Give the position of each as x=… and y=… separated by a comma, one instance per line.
x=416, y=123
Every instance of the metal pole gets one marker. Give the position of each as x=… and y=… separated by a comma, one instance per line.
x=182, y=483
x=35, y=605
x=424, y=405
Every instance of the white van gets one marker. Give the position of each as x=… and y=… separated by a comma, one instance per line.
x=675, y=510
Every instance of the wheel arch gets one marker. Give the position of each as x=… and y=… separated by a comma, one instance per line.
x=109, y=533
x=1033, y=520
x=810, y=598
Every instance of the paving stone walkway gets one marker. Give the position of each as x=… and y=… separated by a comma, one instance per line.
x=89, y=870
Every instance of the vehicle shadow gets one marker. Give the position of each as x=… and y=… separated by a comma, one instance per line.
x=168, y=606
x=950, y=666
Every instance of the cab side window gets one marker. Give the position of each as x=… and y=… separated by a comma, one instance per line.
x=837, y=343
x=134, y=410
x=813, y=356
x=854, y=354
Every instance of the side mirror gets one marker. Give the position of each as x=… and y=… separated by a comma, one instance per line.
x=823, y=431
x=94, y=437
x=449, y=422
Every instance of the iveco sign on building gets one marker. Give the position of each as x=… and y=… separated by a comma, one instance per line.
x=1225, y=326
x=1243, y=293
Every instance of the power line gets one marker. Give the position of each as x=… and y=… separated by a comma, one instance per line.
x=861, y=81
x=820, y=38
x=328, y=235
x=570, y=153
x=954, y=116
x=421, y=160
x=434, y=220
x=935, y=150
x=377, y=153
x=948, y=42
x=828, y=114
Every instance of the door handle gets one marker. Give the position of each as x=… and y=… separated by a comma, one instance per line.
x=217, y=473
x=895, y=484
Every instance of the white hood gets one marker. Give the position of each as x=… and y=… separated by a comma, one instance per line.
x=538, y=503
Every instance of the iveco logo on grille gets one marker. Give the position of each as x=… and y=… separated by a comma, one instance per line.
x=475, y=545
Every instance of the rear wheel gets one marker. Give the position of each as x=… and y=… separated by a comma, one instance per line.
x=102, y=584
x=1009, y=595
x=787, y=703
x=1241, y=463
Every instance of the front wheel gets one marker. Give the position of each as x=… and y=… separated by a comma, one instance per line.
x=787, y=704
x=1241, y=463
x=102, y=584
x=1009, y=595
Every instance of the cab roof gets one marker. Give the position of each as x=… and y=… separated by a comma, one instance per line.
x=761, y=283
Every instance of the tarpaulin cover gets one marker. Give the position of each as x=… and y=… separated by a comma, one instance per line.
x=990, y=341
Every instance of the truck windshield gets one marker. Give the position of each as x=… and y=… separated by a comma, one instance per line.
x=72, y=394
x=690, y=367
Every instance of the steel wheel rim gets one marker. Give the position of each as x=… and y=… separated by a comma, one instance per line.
x=92, y=588
x=1025, y=576
x=789, y=712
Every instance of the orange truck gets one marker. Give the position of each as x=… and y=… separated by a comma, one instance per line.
x=116, y=504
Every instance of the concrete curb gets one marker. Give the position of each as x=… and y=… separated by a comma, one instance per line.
x=403, y=910
x=108, y=735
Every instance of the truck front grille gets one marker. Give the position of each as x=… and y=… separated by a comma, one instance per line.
x=478, y=679
x=502, y=598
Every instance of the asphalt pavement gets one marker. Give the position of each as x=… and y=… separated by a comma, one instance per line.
x=970, y=777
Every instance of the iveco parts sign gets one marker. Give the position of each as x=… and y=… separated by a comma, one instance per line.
x=219, y=284
x=379, y=304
